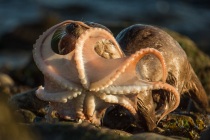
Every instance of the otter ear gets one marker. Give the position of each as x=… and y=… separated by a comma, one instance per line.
x=58, y=66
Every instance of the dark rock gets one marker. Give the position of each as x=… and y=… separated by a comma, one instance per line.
x=5, y=80
x=9, y=129
x=205, y=135
x=26, y=116
x=149, y=136
x=67, y=130
x=29, y=101
x=29, y=75
x=117, y=117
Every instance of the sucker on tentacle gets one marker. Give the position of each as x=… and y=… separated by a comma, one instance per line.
x=57, y=96
x=121, y=100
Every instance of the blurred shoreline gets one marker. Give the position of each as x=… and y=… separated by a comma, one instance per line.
x=189, y=17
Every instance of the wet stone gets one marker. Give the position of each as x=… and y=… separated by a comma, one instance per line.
x=149, y=136
x=188, y=125
x=10, y=129
x=26, y=116
x=5, y=80
x=29, y=101
x=69, y=130
x=205, y=135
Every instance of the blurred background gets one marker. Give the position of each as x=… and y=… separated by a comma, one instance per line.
x=22, y=21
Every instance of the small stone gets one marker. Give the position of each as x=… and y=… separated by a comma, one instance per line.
x=5, y=80
x=26, y=116
x=10, y=129
x=29, y=101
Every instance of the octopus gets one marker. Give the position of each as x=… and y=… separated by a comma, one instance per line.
x=86, y=71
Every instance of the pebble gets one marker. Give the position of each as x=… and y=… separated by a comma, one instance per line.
x=29, y=101
x=5, y=80
x=26, y=116
x=9, y=129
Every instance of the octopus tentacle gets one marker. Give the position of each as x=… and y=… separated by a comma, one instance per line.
x=107, y=70
x=125, y=74
x=86, y=56
x=80, y=107
x=90, y=105
x=49, y=62
x=118, y=99
x=172, y=90
x=61, y=96
x=137, y=89
x=130, y=89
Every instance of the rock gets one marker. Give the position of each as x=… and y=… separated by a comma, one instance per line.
x=26, y=116
x=8, y=87
x=205, y=135
x=9, y=129
x=29, y=75
x=184, y=124
x=29, y=101
x=149, y=136
x=117, y=117
x=68, y=130
x=14, y=59
x=5, y=80
x=61, y=131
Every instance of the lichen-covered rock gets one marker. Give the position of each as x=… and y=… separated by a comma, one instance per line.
x=183, y=124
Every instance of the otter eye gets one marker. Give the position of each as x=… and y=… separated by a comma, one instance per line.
x=71, y=27
x=62, y=40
